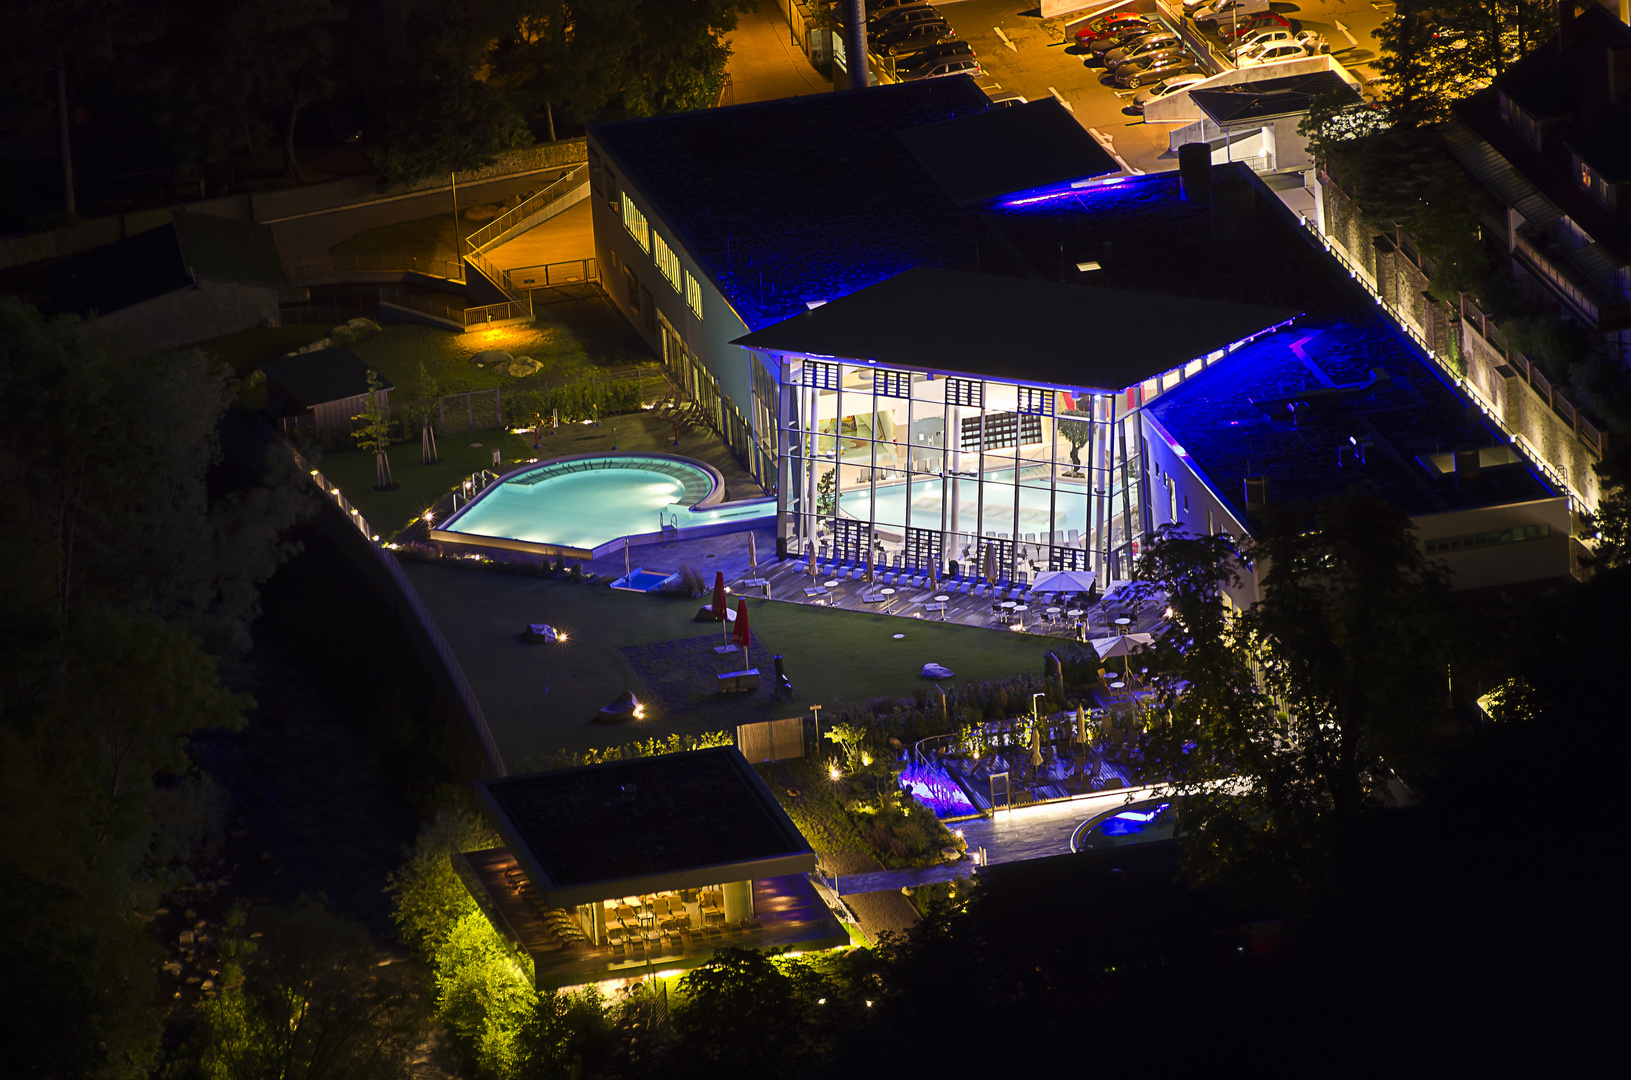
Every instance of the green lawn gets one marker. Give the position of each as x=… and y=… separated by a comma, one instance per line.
x=540, y=699
x=426, y=237
x=571, y=340
x=352, y=471
x=247, y=348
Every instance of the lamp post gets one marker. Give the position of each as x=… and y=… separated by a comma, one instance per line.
x=815, y=710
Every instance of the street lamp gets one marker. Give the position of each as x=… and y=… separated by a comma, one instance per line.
x=815, y=710
x=1039, y=694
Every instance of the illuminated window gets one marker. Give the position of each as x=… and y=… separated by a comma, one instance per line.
x=693, y=294
x=821, y=376
x=635, y=222
x=892, y=383
x=966, y=392
x=667, y=261
x=1472, y=541
x=1035, y=401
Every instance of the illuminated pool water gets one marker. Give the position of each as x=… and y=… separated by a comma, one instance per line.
x=586, y=502
x=1139, y=823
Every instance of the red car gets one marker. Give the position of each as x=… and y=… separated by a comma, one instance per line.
x=1110, y=23
x=1227, y=30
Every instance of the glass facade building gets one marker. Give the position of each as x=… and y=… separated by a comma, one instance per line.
x=974, y=474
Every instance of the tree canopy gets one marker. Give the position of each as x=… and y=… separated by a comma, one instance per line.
x=126, y=583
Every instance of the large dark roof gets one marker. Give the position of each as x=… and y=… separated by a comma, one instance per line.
x=805, y=198
x=1271, y=97
x=1017, y=329
x=162, y=260
x=1232, y=421
x=1579, y=88
x=978, y=157
x=315, y=378
x=641, y=818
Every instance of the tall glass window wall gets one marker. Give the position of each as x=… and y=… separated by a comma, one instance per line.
x=988, y=475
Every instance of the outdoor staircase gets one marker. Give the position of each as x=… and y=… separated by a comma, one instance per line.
x=513, y=302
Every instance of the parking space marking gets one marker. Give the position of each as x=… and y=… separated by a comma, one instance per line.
x=1061, y=99
x=1005, y=40
x=1351, y=39
x=1104, y=141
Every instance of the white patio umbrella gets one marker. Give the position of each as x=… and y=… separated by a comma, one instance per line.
x=753, y=552
x=1063, y=581
x=1123, y=646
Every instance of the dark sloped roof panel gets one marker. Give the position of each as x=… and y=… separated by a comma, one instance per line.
x=982, y=156
x=1017, y=329
x=316, y=378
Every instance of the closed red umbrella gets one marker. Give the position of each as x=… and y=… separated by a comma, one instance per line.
x=741, y=635
x=719, y=596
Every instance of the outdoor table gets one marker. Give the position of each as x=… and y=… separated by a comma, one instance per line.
x=1009, y=604
x=1075, y=612
x=1052, y=611
x=941, y=597
x=833, y=584
x=1118, y=685
x=886, y=592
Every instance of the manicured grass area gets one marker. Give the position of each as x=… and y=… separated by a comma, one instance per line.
x=426, y=237
x=571, y=340
x=814, y=808
x=352, y=471
x=540, y=699
x=247, y=348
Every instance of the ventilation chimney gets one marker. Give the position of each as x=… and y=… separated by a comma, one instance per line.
x=1257, y=493
x=1194, y=171
x=1466, y=464
x=1233, y=203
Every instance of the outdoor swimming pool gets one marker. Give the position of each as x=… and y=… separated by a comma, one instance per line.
x=590, y=501
x=1140, y=822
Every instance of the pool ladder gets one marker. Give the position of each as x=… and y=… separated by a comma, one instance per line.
x=478, y=482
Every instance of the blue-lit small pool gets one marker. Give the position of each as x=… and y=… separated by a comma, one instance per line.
x=1136, y=823
x=586, y=502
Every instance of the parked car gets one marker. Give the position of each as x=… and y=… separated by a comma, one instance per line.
x=1314, y=42
x=1166, y=87
x=1160, y=66
x=1246, y=24
x=1268, y=54
x=877, y=8
x=1110, y=25
x=1262, y=37
x=957, y=65
x=933, y=54
x=905, y=16
x=904, y=40
x=1138, y=47
x=1122, y=36
x=1222, y=11
x=1007, y=99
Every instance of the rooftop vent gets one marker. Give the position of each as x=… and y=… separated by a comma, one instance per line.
x=1257, y=493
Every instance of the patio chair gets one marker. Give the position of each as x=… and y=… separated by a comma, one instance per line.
x=979, y=589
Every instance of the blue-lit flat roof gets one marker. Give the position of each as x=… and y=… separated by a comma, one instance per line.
x=805, y=198
x=1233, y=420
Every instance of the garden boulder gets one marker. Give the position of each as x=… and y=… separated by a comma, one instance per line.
x=935, y=671
x=521, y=367
x=492, y=356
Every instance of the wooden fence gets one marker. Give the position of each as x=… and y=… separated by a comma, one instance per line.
x=771, y=740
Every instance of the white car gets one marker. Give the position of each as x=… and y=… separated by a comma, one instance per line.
x=1170, y=85
x=1261, y=37
x=1223, y=10
x=1314, y=42
x=1268, y=54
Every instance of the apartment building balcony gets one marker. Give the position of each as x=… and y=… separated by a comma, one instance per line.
x=1569, y=275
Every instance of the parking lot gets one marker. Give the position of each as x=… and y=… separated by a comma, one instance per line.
x=1023, y=53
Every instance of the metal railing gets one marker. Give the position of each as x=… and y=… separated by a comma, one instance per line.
x=387, y=262
x=492, y=273
x=422, y=615
x=545, y=275
x=490, y=233
x=403, y=299
x=509, y=310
